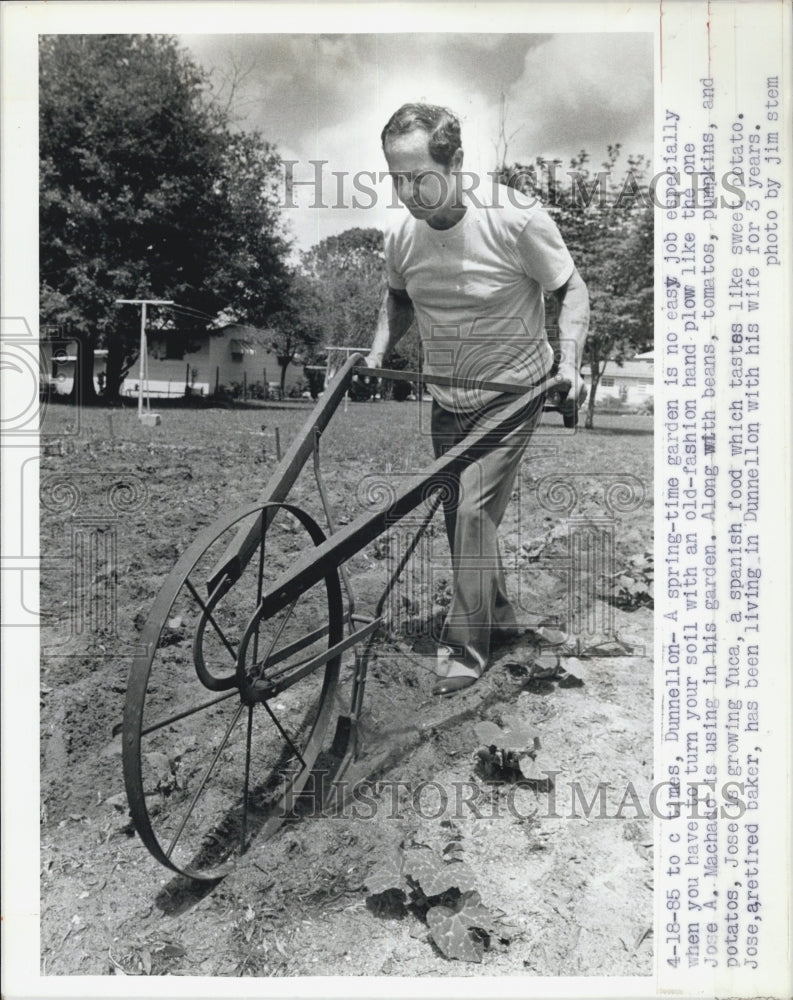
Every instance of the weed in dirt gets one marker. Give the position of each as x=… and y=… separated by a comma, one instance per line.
x=151, y=956
x=439, y=890
x=632, y=586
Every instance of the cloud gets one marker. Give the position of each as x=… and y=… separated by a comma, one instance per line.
x=327, y=97
x=584, y=92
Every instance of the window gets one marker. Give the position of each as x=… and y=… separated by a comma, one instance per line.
x=239, y=348
x=174, y=348
x=607, y=381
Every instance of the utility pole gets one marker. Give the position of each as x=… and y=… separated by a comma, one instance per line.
x=143, y=348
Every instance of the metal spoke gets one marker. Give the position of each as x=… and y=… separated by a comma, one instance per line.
x=294, y=647
x=247, y=779
x=259, y=579
x=277, y=636
x=212, y=621
x=283, y=732
x=190, y=711
x=204, y=780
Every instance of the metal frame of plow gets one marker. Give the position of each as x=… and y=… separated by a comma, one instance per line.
x=321, y=561
x=330, y=555
x=367, y=527
x=312, y=565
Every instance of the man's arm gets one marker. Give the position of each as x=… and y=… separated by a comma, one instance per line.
x=573, y=300
x=393, y=322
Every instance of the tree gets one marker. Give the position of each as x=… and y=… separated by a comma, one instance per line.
x=146, y=193
x=348, y=272
x=621, y=291
x=297, y=326
x=607, y=223
x=248, y=267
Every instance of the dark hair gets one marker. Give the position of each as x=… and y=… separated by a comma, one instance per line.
x=441, y=126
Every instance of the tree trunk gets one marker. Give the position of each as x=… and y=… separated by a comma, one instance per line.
x=597, y=371
x=83, y=389
x=115, y=373
x=283, y=362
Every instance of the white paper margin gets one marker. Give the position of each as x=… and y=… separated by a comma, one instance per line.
x=679, y=28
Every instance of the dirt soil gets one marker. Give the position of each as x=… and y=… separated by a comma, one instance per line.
x=120, y=502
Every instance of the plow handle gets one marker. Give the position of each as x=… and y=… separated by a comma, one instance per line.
x=243, y=545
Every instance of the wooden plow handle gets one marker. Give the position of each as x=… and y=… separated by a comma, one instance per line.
x=367, y=527
x=313, y=565
x=421, y=379
x=243, y=545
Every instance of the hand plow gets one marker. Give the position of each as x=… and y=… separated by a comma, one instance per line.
x=232, y=697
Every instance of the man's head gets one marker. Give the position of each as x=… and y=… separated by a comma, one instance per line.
x=421, y=143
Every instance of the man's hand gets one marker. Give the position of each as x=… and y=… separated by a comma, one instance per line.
x=373, y=360
x=364, y=385
x=573, y=325
x=574, y=392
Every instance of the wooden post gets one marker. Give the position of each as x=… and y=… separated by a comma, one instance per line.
x=217, y=379
x=278, y=443
x=187, y=378
x=244, y=385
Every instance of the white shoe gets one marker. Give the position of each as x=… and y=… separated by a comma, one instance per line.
x=447, y=665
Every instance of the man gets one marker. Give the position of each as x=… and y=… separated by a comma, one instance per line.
x=472, y=272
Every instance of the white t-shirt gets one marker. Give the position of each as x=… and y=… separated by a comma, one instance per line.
x=477, y=292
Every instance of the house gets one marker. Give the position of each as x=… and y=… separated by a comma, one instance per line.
x=632, y=382
x=203, y=361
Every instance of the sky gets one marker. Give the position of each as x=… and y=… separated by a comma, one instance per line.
x=327, y=97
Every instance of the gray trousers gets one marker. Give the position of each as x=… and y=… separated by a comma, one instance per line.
x=474, y=507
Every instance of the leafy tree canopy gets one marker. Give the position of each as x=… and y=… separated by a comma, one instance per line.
x=145, y=192
x=348, y=271
x=606, y=220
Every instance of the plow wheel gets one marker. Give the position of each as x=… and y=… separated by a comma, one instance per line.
x=227, y=710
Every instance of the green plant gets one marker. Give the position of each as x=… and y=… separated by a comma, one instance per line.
x=632, y=587
x=441, y=891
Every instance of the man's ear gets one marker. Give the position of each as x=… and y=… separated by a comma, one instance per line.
x=457, y=159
